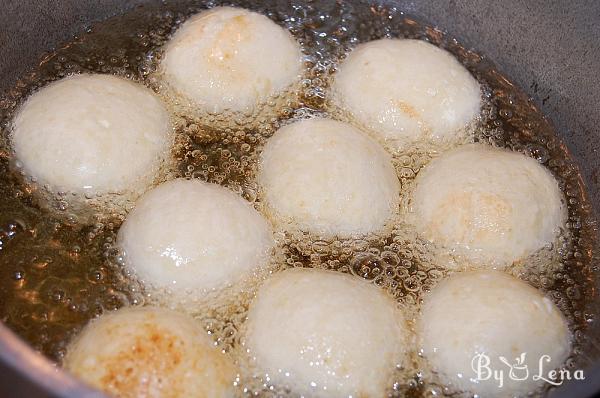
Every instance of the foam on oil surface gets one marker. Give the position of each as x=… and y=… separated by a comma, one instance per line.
x=56, y=273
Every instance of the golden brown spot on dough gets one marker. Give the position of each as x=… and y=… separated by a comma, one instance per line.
x=514, y=350
x=479, y=216
x=406, y=108
x=225, y=45
x=146, y=367
x=152, y=359
x=413, y=113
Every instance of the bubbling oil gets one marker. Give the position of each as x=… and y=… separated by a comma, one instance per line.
x=57, y=273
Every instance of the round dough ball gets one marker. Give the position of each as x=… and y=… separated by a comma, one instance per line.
x=407, y=91
x=150, y=352
x=326, y=334
x=328, y=178
x=193, y=237
x=231, y=59
x=92, y=133
x=488, y=206
x=495, y=314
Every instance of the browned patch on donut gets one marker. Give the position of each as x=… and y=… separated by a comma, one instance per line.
x=482, y=215
x=147, y=367
x=234, y=31
x=407, y=108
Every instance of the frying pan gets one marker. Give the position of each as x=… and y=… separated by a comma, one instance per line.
x=550, y=48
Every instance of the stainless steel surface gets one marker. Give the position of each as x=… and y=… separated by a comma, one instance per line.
x=25, y=373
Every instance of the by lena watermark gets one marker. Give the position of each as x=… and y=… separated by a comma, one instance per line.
x=518, y=370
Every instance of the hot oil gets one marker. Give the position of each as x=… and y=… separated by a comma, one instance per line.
x=56, y=274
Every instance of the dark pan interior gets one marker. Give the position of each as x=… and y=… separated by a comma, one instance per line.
x=550, y=48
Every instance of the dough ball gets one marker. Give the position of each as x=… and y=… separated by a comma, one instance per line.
x=407, y=91
x=92, y=133
x=193, y=237
x=495, y=314
x=150, y=352
x=490, y=206
x=326, y=334
x=231, y=59
x=328, y=178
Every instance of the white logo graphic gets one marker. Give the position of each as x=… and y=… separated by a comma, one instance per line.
x=518, y=370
